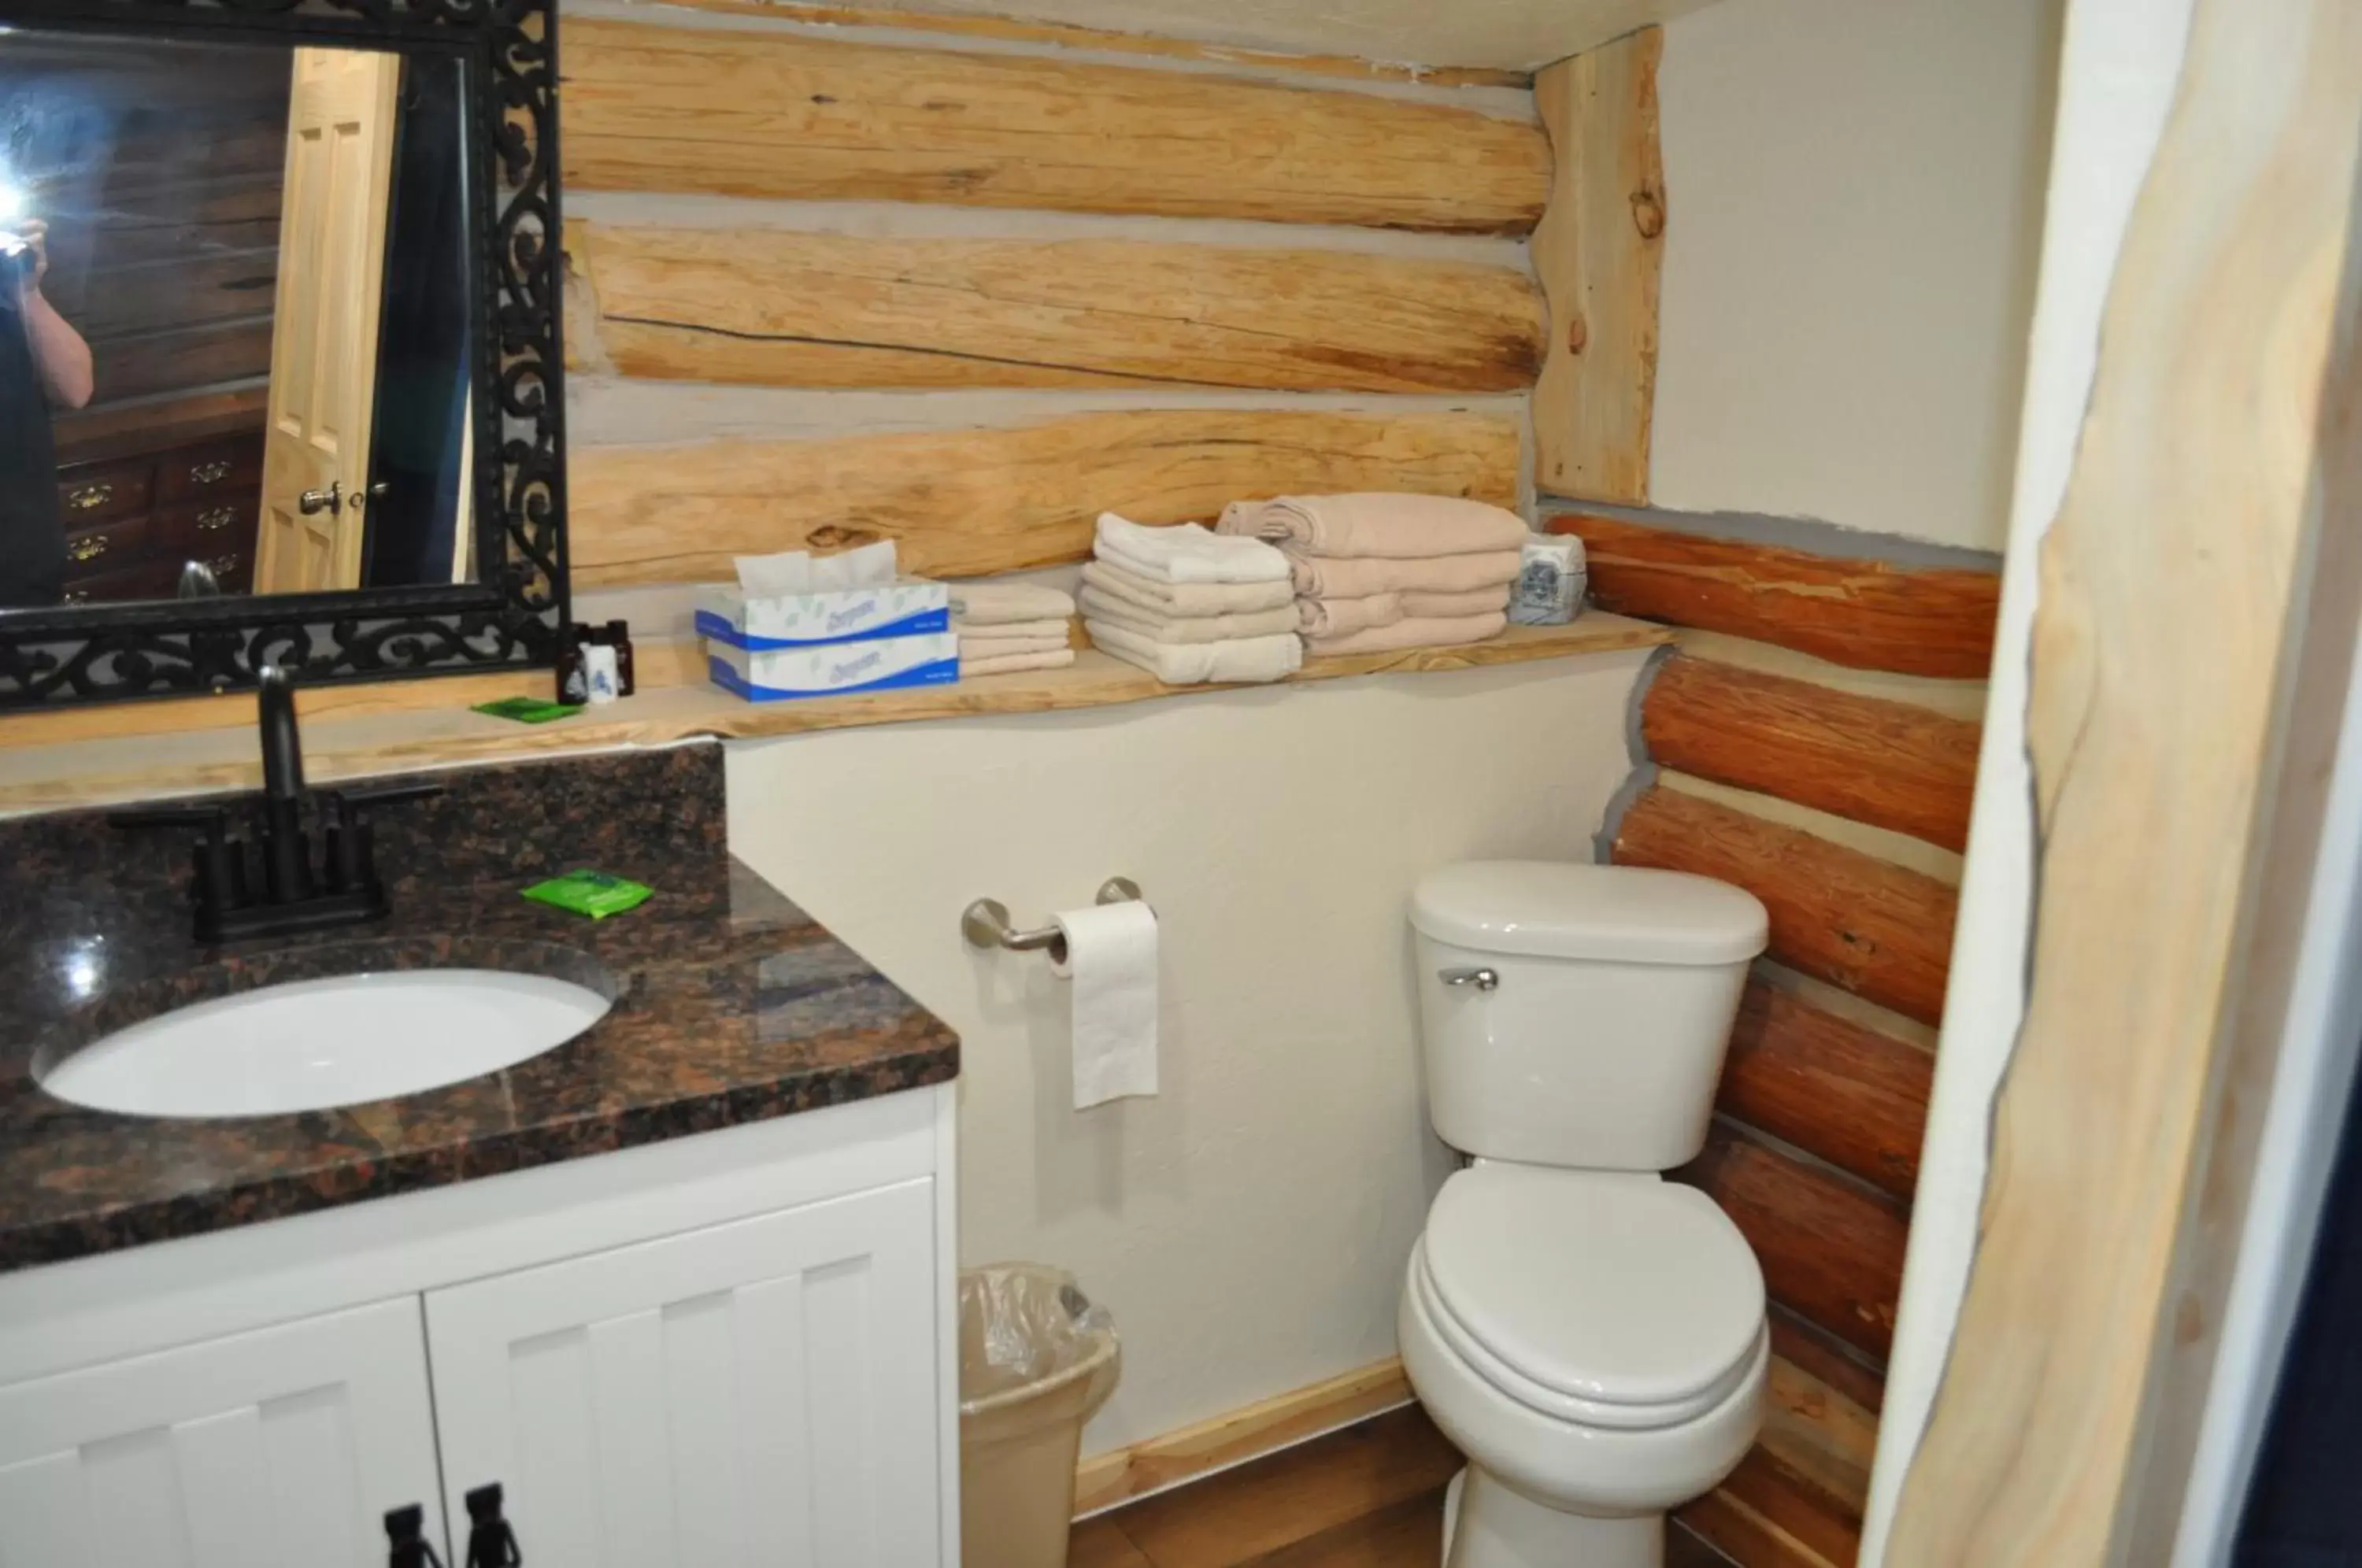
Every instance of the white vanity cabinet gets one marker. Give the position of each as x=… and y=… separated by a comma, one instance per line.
x=734, y=1348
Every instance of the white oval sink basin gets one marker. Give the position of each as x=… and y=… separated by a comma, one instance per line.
x=316, y=1044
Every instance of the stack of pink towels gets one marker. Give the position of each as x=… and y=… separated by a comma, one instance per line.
x=1379, y=572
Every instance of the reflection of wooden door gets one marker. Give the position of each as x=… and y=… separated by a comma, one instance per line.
x=323, y=332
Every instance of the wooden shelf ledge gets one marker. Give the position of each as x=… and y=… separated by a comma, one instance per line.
x=91, y=772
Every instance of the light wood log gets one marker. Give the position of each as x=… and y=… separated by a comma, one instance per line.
x=1066, y=35
x=1889, y=764
x=1838, y=914
x=738, y=114
x=971, y=502
x=1831, y=1250
x=817, y=310
x=1851, y=1095
x=1599, y=249
x=1913, y=621
x=2178, y=807
x=397, y=736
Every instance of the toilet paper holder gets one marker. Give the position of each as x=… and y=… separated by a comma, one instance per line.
x=984, y=923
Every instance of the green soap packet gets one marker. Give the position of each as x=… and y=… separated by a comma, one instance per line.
x=528, y=710
x=594, y=893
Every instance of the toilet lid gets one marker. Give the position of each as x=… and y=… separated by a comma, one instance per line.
x=1605, y=1290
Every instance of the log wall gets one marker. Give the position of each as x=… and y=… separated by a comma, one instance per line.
x=1825, y=764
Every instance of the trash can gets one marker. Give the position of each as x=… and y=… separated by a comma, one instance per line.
x=1037, y=1360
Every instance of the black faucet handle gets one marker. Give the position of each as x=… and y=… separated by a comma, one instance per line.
x=367, y=795
x=141, y=817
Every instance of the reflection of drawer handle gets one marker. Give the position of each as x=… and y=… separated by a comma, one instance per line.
x=83, y=497
x=77, y=596
x=222, y=566
x=88, y=549
x=215, y=518
x=210, y=473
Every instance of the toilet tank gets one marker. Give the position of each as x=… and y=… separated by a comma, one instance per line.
x=1601, y=1041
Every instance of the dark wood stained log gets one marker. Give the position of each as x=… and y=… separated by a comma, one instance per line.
x=1765, y=1515
x=187, y=290
x=1838, y=914
x=197, y=357
x=1815, y=1350
x=1867, y=614
x=1892, y=765
x=1831, y=1250
x=1831, y=1087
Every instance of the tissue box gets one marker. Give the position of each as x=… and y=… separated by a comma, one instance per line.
x=755, y=622
x=868, y=664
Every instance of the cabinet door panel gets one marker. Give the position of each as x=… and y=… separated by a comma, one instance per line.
x=283, y=1448
x=758, y=1393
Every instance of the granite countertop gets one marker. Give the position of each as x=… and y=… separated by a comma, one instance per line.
x=730, y=1005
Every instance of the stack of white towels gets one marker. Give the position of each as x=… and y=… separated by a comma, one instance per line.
x=1003, y=627
x=1375, y=572
x=1190, y=606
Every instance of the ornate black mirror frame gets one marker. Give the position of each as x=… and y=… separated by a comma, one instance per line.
x=510, y=616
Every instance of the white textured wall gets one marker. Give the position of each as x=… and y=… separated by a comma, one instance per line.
x=1855, y=195
x=2119, y=67
x=1248, y=1226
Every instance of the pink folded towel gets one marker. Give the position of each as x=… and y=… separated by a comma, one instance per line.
x=1337, y=617
x=1328, y=576
x=1191, y=599
x=1408, y=633
x=1009, y=664
x=1119, y=612
x=1381, y=524
x=978, y=647
x=1445, y=606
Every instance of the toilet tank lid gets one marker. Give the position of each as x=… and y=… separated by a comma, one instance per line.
x=1559, y=909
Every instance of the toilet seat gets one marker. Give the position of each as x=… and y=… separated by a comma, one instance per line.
x=1607, y=1299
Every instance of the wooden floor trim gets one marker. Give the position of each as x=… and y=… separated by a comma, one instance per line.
x=1126, y=1474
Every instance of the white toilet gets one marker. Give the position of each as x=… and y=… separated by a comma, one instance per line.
x=1590, y=1335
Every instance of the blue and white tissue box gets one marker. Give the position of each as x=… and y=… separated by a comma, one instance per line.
x=829, y=669
x=907, y=606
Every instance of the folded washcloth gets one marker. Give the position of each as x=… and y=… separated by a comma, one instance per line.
x=1327, y=577
x=990, y=603
x=1337, y=617
x=1187, y=553
x=1185, y=628
x=1448, y=606
x=1193, y=664
x=1409, y=633
x=1190, y=598
x=993, y=647
x=1381, y=524
x=1053, y=627
x=1009, y=664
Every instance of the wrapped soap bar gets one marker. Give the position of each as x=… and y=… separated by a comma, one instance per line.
x=1551, y=581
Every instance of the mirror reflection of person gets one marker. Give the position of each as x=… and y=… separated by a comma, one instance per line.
x=44, y=366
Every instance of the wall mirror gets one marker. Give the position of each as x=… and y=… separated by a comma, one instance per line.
x=278, y=377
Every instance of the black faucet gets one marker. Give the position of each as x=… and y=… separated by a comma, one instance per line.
x=298, y=893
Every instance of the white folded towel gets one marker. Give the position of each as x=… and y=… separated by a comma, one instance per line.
x=1185, y=552
x=1190, y=598
x=1009, y=664
x=1048, y=628
x=988, y=647
x=1185, y=628
x=1193, y=664
x=989, y=603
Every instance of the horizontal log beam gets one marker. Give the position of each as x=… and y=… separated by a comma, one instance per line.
x=1866, y=924
x=821, y=310
x=971, y=502
x=739, y=113
x=1867, y=614
x=1765, y=1515
x=1869, y=759
x=1850, y=1095
x=1831, y=1250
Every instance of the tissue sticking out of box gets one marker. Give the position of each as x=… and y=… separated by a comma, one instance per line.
x=799, y=571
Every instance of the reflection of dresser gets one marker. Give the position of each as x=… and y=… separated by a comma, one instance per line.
x=132, y=522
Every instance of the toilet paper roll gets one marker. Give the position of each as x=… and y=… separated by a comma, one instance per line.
x=1112, y=959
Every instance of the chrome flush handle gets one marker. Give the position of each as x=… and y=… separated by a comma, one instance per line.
x=1483, y=980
